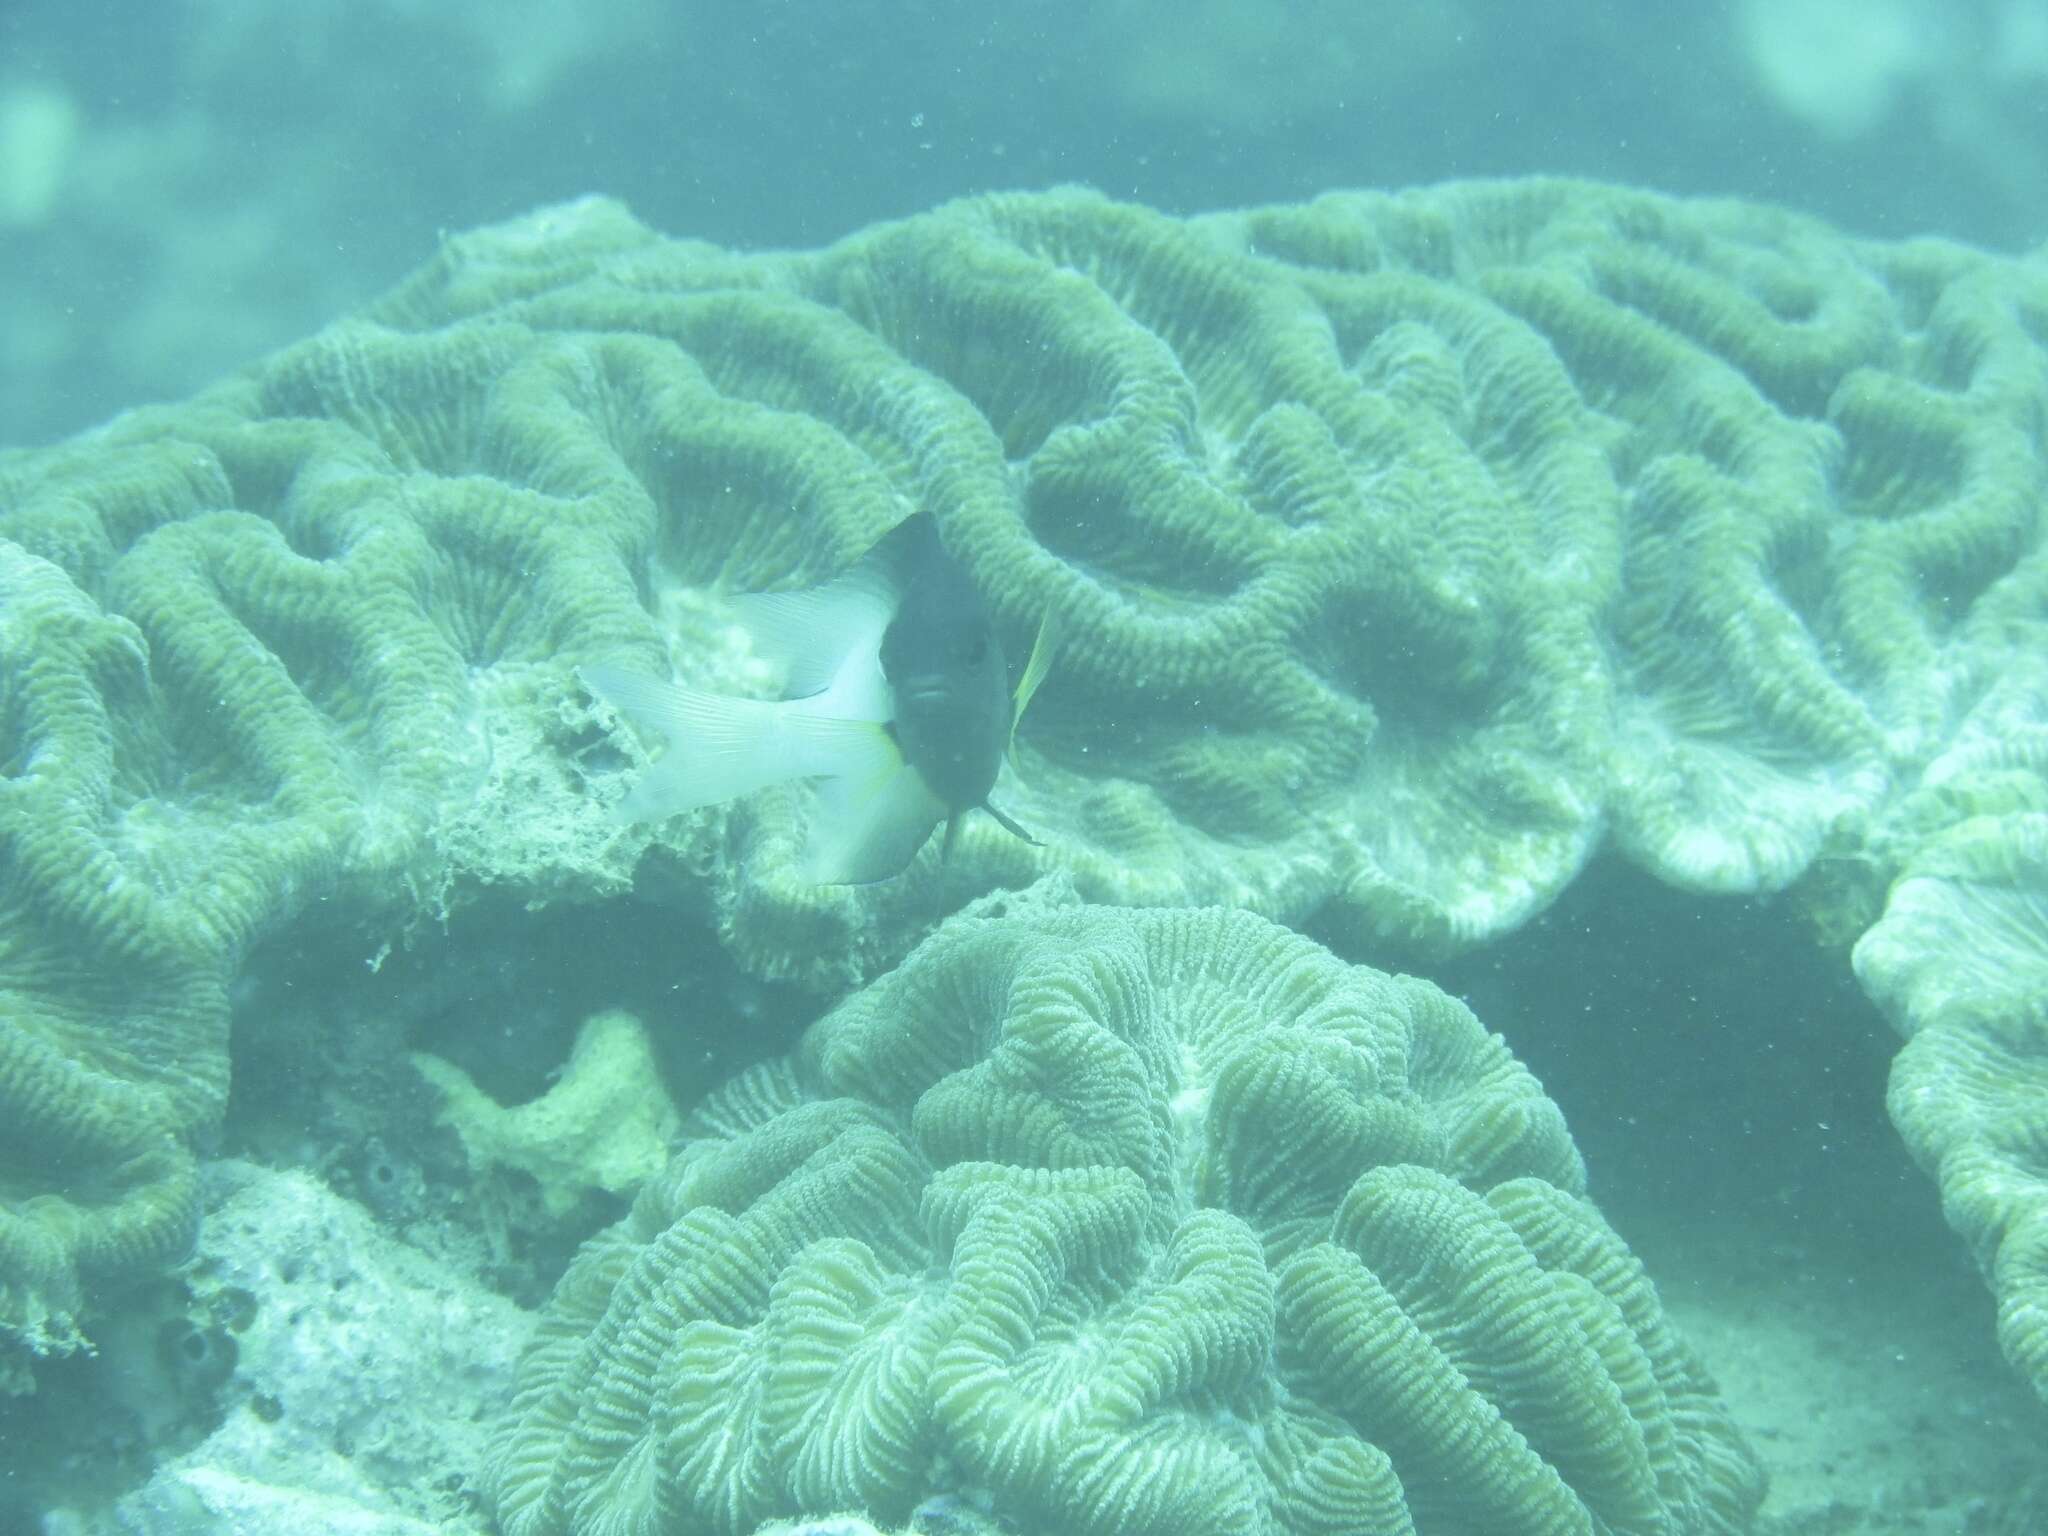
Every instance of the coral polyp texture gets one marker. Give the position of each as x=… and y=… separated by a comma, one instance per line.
x=1405, y=550
x=1122, y=1222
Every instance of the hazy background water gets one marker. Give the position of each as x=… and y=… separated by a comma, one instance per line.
x=186, y=184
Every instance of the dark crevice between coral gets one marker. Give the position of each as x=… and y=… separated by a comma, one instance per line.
x=1714, y=1065
x=326, y=1020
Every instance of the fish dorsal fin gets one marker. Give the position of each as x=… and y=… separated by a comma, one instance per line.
x=1035, y=668
x=811, y=632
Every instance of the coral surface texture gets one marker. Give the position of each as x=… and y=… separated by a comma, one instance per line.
x=1405, y=550
x=1131, y=1223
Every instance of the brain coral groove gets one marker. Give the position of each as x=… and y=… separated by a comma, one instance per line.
x=1408, y=550
x=1122, y=1222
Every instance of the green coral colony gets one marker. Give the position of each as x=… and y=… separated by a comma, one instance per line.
x=1406, y=549
x=1148, y=1223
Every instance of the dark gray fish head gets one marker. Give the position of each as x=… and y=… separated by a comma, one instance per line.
x=945, y=671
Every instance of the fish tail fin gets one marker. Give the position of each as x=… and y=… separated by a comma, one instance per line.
x=718, y=747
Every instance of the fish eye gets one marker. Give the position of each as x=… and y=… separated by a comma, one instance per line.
x=978, y=651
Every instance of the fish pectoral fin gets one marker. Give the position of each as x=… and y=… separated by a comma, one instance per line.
x=1010, y=826
x=719, y=748
x=868, y=824
x=1035, y=668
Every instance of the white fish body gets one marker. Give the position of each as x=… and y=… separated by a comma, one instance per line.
x=875, y=809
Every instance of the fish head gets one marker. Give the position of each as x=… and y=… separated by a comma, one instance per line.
x=952, y=714
x=949, y=686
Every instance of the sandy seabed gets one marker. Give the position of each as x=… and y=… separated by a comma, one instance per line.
x=1870, y=1382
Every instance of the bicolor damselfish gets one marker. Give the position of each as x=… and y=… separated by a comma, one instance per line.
x=897, y=702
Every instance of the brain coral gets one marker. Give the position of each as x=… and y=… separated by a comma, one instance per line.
x=1407, y=550
x=1960, y=958
x=1127, y=1222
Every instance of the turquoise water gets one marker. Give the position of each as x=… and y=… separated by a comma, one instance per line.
x=185, y=189
x=194, y=185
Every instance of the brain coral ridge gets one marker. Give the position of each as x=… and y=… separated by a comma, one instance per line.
x=1407, y=550
x=1122, y=1222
